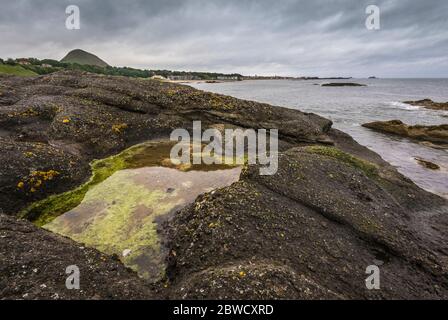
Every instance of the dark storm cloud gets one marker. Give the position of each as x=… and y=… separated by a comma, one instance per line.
x=264, y=37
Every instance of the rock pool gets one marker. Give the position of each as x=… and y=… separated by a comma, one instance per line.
x=120, y=214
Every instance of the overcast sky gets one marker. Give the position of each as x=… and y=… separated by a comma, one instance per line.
x=282, y=37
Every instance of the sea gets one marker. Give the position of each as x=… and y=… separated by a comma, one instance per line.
x=350, y=107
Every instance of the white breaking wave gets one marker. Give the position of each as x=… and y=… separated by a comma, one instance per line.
x=404, y=106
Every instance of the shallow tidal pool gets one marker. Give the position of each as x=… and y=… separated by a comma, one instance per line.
x=120, y=214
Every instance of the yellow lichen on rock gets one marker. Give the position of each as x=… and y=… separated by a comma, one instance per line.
x=119, y=128
x=45, y=175
x=36, y=178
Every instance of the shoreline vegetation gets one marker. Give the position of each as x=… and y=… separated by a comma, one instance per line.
x=78, y=59
x=84, y=61
x=33, y=66
x=309, y=231
x=16, y=70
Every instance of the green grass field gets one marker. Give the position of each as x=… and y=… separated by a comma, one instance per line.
x=16, y=70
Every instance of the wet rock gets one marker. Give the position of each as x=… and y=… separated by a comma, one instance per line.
x=435, y=134
x=429, y=104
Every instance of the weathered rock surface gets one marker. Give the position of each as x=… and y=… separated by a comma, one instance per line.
x=309, y=231
x=429, y=104
x=437, y=134
x=319, y=222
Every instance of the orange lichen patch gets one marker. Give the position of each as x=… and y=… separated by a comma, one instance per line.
x=119, y=128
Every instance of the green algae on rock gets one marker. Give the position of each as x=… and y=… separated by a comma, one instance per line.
x=125, y=223
x=368, y=168
x=104, y=218
x=47, y=209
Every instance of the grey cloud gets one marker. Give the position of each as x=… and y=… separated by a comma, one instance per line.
x=265, y=37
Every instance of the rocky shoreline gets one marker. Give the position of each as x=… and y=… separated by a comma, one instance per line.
x=307, y=232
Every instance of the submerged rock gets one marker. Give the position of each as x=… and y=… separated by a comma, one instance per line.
x=309, y=231
x=433, y=145
x=343, y=84
x=429, y=104
x=436, y=134
x=427, y=164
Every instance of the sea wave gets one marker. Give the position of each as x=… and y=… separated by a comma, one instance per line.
x=404, y=106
